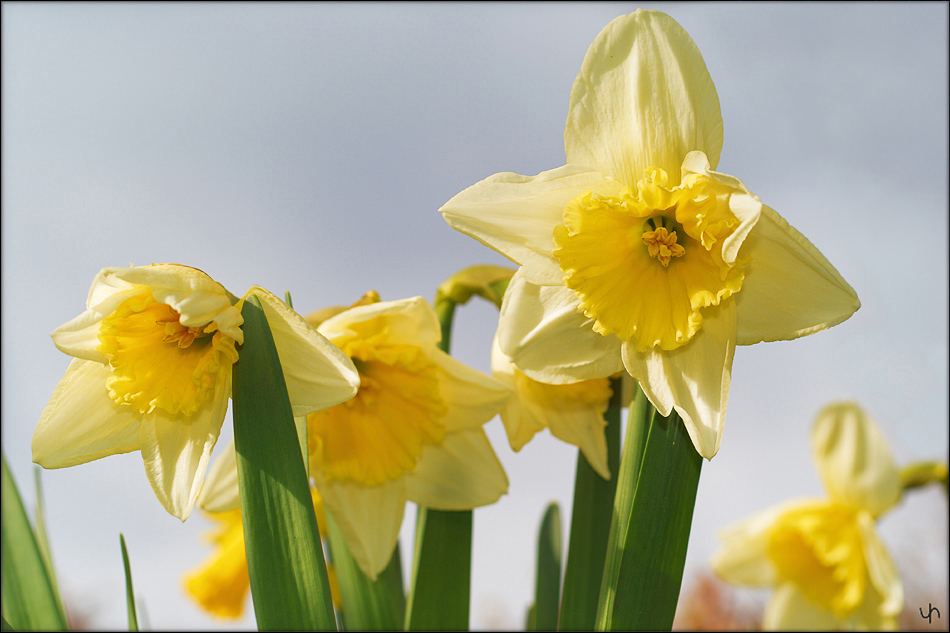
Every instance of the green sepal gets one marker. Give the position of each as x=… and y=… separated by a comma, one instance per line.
x=288, y=575
x=28, y=594
x=590, y=526
x=129, y=594
x=656, y=493
x=547, y=585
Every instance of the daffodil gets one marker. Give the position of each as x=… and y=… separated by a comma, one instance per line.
x=413, y=432
x=151, y=372
x=574, y=413
x=636, y=255
x=824, y=556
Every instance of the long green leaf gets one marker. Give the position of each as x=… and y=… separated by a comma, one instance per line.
x=590, y=526
x=547, y=585
x=29, y=599
x=441, y=571
x=368, y=605
x=288, y=575
x=129, y=594
x=42, y=540
x=652, y=516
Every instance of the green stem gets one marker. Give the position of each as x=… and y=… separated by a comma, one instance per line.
x=659, y=475
x=590, y=526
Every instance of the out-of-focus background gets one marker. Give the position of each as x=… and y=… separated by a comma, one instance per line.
x=308, y=147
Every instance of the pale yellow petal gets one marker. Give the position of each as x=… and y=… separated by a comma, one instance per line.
x=473, y=398
x=176, y=451
x=318, y=375
x=888, y=594
x=643, y=98
x=790, y=289
x=546, y=337
x=853, y=459
x=368, y=516
x=191, y=292
x=409, y=321
x=693, y=379
x=220, y=492
x=516, y=215
x=460, y=473
x=744, y=555
x=520, y=424
x=81, y=422
x=79, y=337
x=790, y=610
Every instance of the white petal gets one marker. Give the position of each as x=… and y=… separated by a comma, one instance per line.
x=473, y=398
x=693, y=379
x=220, y=492
x=176, y=451
x=318, y=375
x=461, y=473
x=854, y=460
x=516, y=215
x=643, y=98
x=81, y=422
x=790, y=610
x=520, y=424
x=790, y=289
x=546, y=337
x=368, y=516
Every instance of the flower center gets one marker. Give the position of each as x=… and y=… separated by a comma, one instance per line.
x=616, y=254
x=662, y=246
x=379, y=434
x=157, y=362
x=819, y=548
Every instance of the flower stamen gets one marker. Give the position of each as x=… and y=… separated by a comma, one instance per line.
x=662, y=245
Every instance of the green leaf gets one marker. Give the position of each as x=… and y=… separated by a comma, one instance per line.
x=129, y=594
x=29, y=598
x=288, y=575
x=547, y=585
x=441, y=571
x=368, y=605
x=590, y=526
x=41, y=539
x=656, y=493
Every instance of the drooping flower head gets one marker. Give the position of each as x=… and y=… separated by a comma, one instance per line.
x=823, y=556
x=412, y=432
x=151, y=372
x=636, y=254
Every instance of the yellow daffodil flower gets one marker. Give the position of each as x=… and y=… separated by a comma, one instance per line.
x=574, y=413
x=151, y=372
x=636, y=255
x=413, y=432
x=824, y=557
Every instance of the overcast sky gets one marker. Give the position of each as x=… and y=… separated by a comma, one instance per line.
x=308, y=147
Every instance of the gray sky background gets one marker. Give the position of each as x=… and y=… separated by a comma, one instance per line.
x=308, y=147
